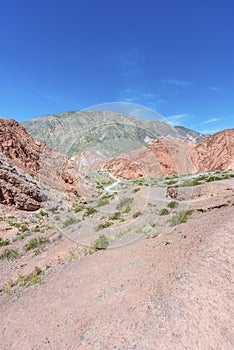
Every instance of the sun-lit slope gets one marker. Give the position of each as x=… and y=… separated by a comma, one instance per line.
x=110, y=133
x=169, y=157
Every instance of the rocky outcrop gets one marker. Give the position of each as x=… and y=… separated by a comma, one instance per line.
x=35, y=158
x=19, y=146
x=18, y=188
x=216, y=152
x=171, y=157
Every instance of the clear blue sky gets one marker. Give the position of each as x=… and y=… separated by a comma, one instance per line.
x=175, y=56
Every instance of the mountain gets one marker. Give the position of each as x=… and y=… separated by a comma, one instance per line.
x=170, y=157
x=30, y=169
x=109, y=133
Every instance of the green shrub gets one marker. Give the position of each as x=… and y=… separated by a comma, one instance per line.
x=89, y=211
x=182, y=217
x=4, y=242
x=135, y=190
x=35, y=243
x=135, y=215
x=104, y=225
x=77, y=207
x=173, y=204
x=164, y=211
x=30, y=279
x=41, y=214
x=126, y=210
x=9, y=254
x=69, y=221
x=115, y=216
x=102, y=202
x=101, y=242
x=124, y=202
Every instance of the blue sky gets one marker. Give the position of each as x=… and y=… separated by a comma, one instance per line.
x=174, y=56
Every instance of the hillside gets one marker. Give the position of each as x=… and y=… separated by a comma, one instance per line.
x=109, y=133
x=171, y=157
x=27, y=166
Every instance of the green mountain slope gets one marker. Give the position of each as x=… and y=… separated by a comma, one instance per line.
x=110, y=133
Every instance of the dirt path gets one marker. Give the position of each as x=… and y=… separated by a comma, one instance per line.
x=148, y=295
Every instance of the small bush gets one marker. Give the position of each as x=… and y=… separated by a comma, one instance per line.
x=135, y=190
x=164, y=211
x=173, y=204
x=69, y=221
x=77, y=207
x=11, y=220
x=89, y=211
x=4, y=242
x=24, y=228
x=72, y=257
x=101, y=243
x=180, y=218
x=102, y=202
x=31, y=279
x=56, y=217
x=104, y=225
x=115, y=216
x=135, y=215
x=124, y=202
x=7, y=287
x=35, y=243
x=9, y=254
x=41, y=214
x=126, y=210
x=36, y=252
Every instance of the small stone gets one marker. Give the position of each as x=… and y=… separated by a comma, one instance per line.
x=169, y=241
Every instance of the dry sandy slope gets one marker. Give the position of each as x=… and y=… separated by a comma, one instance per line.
x=147, y=295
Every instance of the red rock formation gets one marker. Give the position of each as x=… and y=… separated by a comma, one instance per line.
x=51, y=167
x=170, y=157
x=216, y=152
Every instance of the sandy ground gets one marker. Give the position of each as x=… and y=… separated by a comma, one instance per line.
x=172, y=292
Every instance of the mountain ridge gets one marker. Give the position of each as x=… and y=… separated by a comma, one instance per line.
x=110, y=133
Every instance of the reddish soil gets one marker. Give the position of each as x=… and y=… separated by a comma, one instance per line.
x=172, y=292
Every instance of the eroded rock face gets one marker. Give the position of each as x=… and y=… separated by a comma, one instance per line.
x=171, y=157
x=18, y=188
x=35, y=158
x=19, y=146
x=216, y=152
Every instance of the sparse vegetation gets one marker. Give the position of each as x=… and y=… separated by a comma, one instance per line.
x=101, y=242
x=42, y=213
x=164, y=211
x=77, y=207
x=9, y=254
x=4, y=242
x=180, y=218
x=102, y=202
x=173, y=204
x=104, y=225
x=136, y=214
x=115, y=216
x=135, y=190
x=127, y=210
x=72, y=257
x=30, y=279
x=7, y=287
x=89, y=211
x=37, y=252
x=124, y=202
x=70, y=221
x=35, y=243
